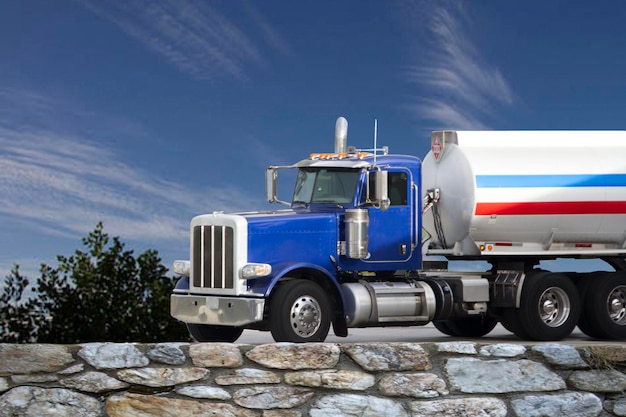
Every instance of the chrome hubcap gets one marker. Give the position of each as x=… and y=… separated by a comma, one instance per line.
x=554, y=306
x=616, y=304
x=305, y=316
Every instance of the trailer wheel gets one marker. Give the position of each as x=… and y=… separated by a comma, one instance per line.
x=299, y=312
x=584, y=324
x=210, y=333
x=549, y=307
x=510, y=321
x=604, y=308
x=467, y=327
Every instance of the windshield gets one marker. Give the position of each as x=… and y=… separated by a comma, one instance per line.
x=325, y=185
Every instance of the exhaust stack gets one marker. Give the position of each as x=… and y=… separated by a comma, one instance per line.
x=341, y=135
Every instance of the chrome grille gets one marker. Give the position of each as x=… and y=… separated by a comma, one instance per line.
x=213, y=257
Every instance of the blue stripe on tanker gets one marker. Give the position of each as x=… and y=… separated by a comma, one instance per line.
x=532, y=181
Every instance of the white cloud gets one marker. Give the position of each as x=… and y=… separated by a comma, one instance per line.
x=59, y=178
x=67, y=184
x=461, y=89
x=193, y=35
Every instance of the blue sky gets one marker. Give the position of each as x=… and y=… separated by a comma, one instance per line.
x=143, y=114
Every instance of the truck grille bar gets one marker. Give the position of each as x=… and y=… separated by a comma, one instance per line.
x=212, y=257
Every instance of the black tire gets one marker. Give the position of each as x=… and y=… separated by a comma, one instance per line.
x=605, y=306
x=467, y=327
x=443, y=327
x=210, y=333
x=549, y=307
x=510, y=321
x=299, y=312
x=584, y=324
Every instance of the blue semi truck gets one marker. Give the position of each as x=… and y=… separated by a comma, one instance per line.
x=350, y=249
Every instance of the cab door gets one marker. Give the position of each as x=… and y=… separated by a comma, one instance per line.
x=392, y=231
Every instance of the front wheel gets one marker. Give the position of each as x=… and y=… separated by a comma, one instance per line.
x=549, y=307
x=209, y=333
x=299, y=312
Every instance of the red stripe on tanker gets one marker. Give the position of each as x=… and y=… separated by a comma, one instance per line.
x=572, y=183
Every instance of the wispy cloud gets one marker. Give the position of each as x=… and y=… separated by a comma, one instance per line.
x=63, y=182
x=194, y=35
x=67, y=184
x=461, y=89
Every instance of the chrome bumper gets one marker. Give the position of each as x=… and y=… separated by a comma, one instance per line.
x=224, y=311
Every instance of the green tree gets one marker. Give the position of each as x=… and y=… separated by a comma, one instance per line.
x=19, y=316
x=101, y=293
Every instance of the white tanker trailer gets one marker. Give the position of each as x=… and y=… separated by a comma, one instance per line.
x=515, y=198
x=362, y=241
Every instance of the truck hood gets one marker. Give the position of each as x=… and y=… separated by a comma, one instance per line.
x=292, y=236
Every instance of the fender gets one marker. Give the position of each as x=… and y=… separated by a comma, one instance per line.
x=279, y=271
x=266, y=287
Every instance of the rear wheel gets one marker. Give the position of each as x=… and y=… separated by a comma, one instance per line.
x=549, y=307
x=604, y=306
x=584, y=324
x=467, y=327
x=210, y=333
x=299, y=312
x=510, y=321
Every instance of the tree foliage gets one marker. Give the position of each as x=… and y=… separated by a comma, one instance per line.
x=102, y=293
x=18, y=316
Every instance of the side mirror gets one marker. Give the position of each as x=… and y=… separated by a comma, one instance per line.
x=382, y=192
x=379, y=196
x=271, y=176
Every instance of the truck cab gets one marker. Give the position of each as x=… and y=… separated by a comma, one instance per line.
x=353, y=217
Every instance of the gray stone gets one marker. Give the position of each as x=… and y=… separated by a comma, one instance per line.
x=135, y=405
x=503, y=350
x=417, y=385
x=248, y=376
x=112, y=355
x=466, y=348
x=296, y=356
x=53, y=402
x=79, y=367
x=272, y=397
x=168, y=353
x=96, y=382
x=281, y=413
x=619, y=407
x=4, y=385
x=561, y=355
x=341, y=379
x=28, y=359
x=352, y=405
x=204, y=391
x=473, y=375
x=459, y=407
x=389, y=356
x=598, y=380
x=215, y=355
x=162, y=377
x=580, y=404
x=33, y=379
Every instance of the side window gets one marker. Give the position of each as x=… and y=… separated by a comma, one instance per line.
x=397, y=186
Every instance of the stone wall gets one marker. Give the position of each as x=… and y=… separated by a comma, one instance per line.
x=325, y=379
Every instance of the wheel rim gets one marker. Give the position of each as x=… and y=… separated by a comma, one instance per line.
x=616, y=304
x=305, y=316
x=554, y=306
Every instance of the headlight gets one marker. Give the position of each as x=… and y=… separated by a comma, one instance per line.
x=182, y=268
x=255, y=270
